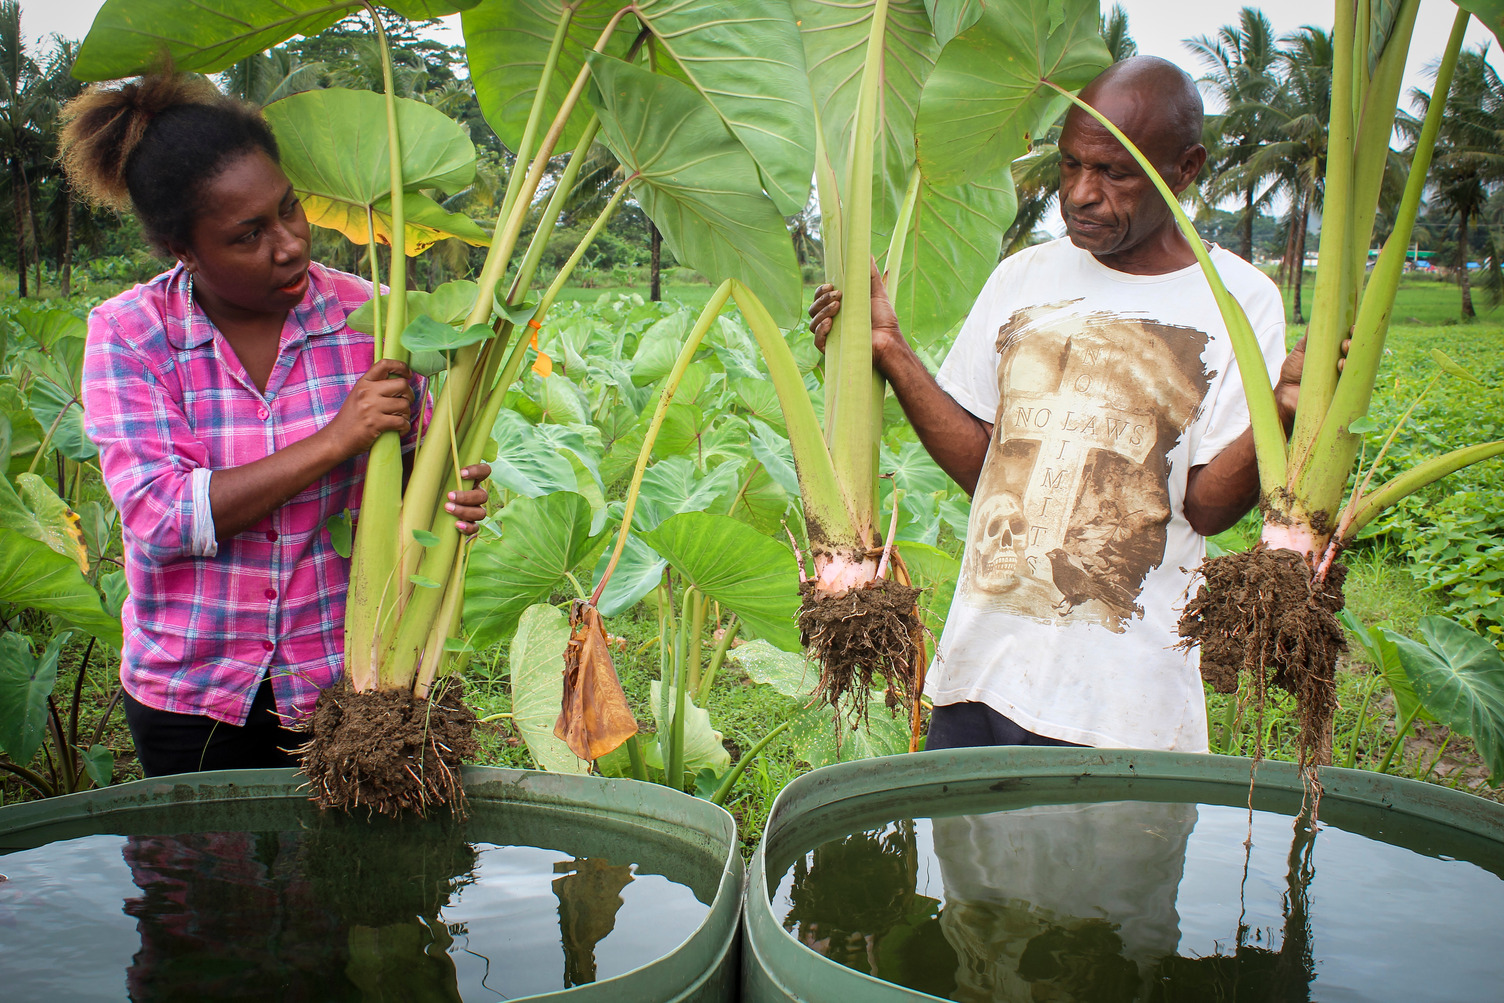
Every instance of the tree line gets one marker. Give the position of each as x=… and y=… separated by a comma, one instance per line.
x=1260, y=196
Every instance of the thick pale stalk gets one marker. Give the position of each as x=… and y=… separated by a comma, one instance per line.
x=1263, y=412
x=1320, y=483
x=849, y=411
x=1376, y=127
x=828, y=191
x=670, y=386
x=1332, y=305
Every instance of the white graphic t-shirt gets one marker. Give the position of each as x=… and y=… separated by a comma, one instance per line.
x=1103, y=389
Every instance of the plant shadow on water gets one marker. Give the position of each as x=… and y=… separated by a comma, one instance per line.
x=341, y=909
x=1125, y=901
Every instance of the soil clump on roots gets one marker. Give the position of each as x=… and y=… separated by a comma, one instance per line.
x=860, y=637
x=387, y=751
x=1260, y=613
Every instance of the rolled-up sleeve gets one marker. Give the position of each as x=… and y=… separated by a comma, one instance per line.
x=155, y=468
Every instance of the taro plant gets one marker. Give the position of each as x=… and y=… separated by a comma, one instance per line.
x=1288, y=635
x=874, y=70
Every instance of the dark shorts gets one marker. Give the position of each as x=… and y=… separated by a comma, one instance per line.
x=966, y=725
x=169, y=743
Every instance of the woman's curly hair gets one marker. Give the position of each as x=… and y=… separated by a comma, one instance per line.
x=152, y=143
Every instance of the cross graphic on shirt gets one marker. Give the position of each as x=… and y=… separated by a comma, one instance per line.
x=1085, y=411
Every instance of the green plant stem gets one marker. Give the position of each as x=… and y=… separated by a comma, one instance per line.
x=717, y=658
x=696, y=644
x=1263, y=412
x=1352, y=739
x=849, y=409
x=673, y=759
x=634, y=754
x=1229, y=718
x=670, y=386
x=1320, y=482
x=728, y=783
x=391, y=344
x=31, y=778
x=1431, y=767
x=1399, y=737
x=1416, y=478
x=893, y=263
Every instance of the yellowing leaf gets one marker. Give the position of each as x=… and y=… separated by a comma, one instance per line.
x=55, y=524
x=595, y=718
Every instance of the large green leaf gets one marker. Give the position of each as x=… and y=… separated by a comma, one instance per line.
x=335, y=152
x=1459, y=676
x=673, y=485
x=951, y=17
x=835, y=47
x=130, y=37
x=542, y=540
x=33, y=574
x=936, y=572
x=52, y=521
x=702, y=743
x=57, y=409
x=1383, y=656
x=748, y=573
x=788, y=672
x=1490, y=12
x=637, y=573
x=746, y=59
x=507, y=42
x=822, y=740
x=537, y=666
x=953, y=244
x=25, y=685
x=696, y=182
x=986, y=101
x=48, y=327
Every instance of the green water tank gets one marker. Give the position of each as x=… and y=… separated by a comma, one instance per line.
x=677, y=841
x=824, y=808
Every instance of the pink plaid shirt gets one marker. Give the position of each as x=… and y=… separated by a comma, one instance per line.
x=167, y=402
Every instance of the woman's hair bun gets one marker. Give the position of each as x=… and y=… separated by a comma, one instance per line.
x=103, y=126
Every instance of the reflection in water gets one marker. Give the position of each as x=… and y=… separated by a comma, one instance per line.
x=345, y=909
x=1088, y=902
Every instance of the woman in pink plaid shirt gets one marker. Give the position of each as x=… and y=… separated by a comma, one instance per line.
x=233, y=409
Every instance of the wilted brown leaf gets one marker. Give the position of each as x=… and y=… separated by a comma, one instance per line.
x=595, y=718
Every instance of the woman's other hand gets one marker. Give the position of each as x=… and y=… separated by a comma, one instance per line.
x=469, y=507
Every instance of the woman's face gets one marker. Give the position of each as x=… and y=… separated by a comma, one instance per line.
x=250, y=241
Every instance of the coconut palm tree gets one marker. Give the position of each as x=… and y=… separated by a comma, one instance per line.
x=1467, y=165
x=1241, y=60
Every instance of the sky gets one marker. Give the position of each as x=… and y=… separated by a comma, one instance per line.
x=1157, y=25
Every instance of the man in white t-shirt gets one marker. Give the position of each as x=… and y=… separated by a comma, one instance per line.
x=1092, y=406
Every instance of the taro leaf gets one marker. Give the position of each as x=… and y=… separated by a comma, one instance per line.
x=1490, y=12
x=130, y=37
x=537, y=667
x=759, y=397
x=594, y=718
x=542, y=540
x=951, y=17
x=775, y=454
x=835, y=47
x=913, y=470
x=334, y=150
x=702, y=743
x=955, y=510
x=52, y=521
x=1444, y=360
x=659, y=346
x=59, y=409
x=535, y=460
x=788, y=672
x=746, y=59
x=561, y=400
x=750, y=574
x=696, y=182
x=452, y=302
x=759, y=502
x=99, y=764
x=1362, y=424
x=1459, y=677
x=986, y=101
x=672, y=485
x=97, y=523
x=587, y=485
x=683, y=431
x=341, y=533
x=115, y=589
x=1380, y=651
x=822, y=741
x=363, y=319
x=48, y=327
x=953, y=245
x=507, y=43
x=936, y=572
x=424, y=334
x=33, y=574
x=427, y=223
x=637, y=573
x=25, y=685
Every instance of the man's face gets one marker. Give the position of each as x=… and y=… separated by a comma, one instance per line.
x=1109, y=205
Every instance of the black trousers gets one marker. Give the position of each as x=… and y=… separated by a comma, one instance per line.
x=965, y=725
x=169, y=743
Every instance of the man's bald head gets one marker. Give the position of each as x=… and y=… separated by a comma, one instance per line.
x=1152, y=100
x=1109, y=205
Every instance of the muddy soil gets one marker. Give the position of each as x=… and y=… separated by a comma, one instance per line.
x=863, y=638
x=1259, y=612
x=387, y=752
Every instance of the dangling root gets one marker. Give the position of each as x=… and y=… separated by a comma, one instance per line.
x=862, y=636
x=387, y=751
x=1261, y=612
